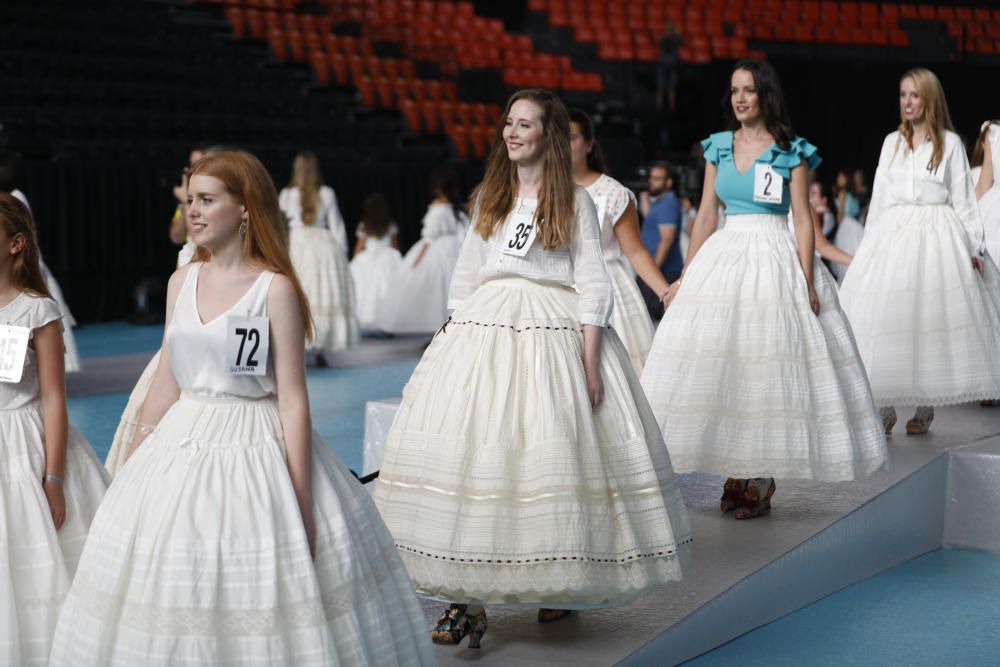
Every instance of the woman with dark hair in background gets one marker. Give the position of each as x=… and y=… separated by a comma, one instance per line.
x=376, y=261
x=317, y=244
x=924, y=304
x=524, y=466
x=849, y=228
x=418, y=302
x=620, y=239
x=753, y=372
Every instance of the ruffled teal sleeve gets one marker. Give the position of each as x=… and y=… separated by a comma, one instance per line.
x=717, y=147
x=784, y=160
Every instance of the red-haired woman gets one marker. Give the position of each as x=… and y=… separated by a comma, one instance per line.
x=524, y=466
x=50, y=483
x=233, y=535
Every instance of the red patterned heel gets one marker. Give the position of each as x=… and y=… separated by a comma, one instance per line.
x=752, y=505
x=732, y=491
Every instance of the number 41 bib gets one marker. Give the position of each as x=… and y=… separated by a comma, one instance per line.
x=247, y=345
x=767, y=184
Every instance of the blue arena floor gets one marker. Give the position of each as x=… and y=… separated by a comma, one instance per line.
x=940, y=609
x=337, y=395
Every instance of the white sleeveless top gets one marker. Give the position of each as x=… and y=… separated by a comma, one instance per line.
x=198, y=350
x=32, y=312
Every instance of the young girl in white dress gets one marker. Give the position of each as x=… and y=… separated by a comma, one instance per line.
x=317, y=243
x=376, y=261
x=623, y=247
x=418, y=302
x=524, y=466
x=51, y=482
x=986, y=156
x=233, y=535
x=753, y=372
x=924, y=304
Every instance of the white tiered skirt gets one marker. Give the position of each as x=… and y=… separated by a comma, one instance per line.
x=36, y=562
x=989, y=211
x=746, y=381
x=418, y=302
x=927, y=324
x=374, y=271
x=325, y=276
x=198, y=556
x=630, y=318
x=501, y=484
x=130, y=418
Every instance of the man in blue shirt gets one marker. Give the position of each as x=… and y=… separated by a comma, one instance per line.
x=661, y=233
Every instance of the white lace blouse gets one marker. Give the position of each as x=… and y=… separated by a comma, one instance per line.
x=905, y=177
x=580, y=263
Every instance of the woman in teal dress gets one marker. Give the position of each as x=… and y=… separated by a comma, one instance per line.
x=754, y=373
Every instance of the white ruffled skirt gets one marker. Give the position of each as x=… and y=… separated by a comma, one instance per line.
x=130, y=418
x=630, y=319
x=989, y=211
x=198, y=556
x=37, y=563
x=418, y=301
x=746, y=381
x=927, y=324
x=325, y=276
x=500, y=484
x=374, y=271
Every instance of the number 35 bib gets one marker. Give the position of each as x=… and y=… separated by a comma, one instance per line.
x=520, y=233
x=247, y=345
x=767, y=184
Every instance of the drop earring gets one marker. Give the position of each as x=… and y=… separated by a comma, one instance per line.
x=243, y=227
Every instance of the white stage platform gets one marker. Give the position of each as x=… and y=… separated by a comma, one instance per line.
x=941, y=490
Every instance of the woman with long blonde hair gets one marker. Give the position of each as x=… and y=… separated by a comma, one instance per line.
x=233, y=535
x=317, y=244
x=51, y=482
x=524, y=466
x=921, y=295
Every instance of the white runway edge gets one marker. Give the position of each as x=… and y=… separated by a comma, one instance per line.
x=818, y=539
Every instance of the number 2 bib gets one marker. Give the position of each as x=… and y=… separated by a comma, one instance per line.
x=767, y=184
x=13, y=348
x=247, y=345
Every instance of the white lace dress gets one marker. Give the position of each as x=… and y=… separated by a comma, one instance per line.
x=37, y=562
x=630, y=318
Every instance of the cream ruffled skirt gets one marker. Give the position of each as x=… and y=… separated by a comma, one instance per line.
x=325, y=276
x=630, y=319
x=927, y=324
x=746, y=381
x=198, y=556
x=501, y=484
x=37, y=563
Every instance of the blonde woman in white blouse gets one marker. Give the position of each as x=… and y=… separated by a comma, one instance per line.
x=924, y=305
x=524, y=466
x=317, y=243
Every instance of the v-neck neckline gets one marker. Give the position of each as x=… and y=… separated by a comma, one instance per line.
x=197, y=311
x=752, y=162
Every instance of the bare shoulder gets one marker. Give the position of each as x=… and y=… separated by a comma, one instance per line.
x=178, y=276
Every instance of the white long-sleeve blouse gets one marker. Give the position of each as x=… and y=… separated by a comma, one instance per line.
x=905, y=177
x=328, y=214
x=581, y=263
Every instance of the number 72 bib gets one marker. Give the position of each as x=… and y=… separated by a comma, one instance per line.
x=247, y=345
x=767, y=184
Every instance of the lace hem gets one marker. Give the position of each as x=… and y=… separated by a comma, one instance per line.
x=787, y=416
x=819, y=471
x=952, y=399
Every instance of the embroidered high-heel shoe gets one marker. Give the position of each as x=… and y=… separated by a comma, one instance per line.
x=452, y=625
x=888, y=419
x=477, y=628
x=921, y=421
x=550, y=615
x=753, y=504
x=732, y=491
